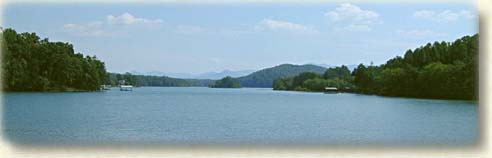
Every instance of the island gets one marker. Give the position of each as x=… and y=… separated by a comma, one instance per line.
x=336, y=77
x=226, y=82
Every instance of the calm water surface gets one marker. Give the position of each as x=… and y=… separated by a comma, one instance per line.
x=241, y=116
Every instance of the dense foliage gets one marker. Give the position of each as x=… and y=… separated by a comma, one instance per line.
x=265, y=77
x=226, y=82
x=338, y=77
x=34, y=64
x=439, y=70
x=155, y=81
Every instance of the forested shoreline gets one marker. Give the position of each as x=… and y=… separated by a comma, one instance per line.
x=30, y=63
x=34, y=64
x=226, y=82
x=155, y=81
x=442, y=70
x=338, y=77
x=265, y=77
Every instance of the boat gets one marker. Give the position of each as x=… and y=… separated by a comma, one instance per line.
x=105, y=87
x=126, y=88
x=331, y=90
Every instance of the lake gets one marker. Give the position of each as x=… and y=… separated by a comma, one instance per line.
x=199, y=115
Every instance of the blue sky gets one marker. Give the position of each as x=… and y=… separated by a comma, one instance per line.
x=197, y=38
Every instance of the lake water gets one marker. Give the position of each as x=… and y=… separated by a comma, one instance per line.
x=158, y=115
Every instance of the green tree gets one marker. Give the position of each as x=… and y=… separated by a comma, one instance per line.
x=299, y=79
x=227, y=82
x=438, y=70
x=337, y=72
x=315, y=84
x=34, y=64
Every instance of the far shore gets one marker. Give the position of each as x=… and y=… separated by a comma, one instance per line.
x=74, y=90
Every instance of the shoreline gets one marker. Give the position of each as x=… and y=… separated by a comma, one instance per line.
x=73, y=90
x=390, y=96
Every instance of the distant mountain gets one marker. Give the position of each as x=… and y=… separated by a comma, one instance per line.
x=207, y=75
x=219, y=75
x=150, y=73
x=265, y=77
x=180, y=75
x=322, y=65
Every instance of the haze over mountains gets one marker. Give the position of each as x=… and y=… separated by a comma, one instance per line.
x=207, y=75
x=218, y=75
x=265, y=77
x=247, y=78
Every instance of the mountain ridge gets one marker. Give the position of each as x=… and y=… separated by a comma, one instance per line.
x=266, y=76
x=262, y=78
x=213, y=75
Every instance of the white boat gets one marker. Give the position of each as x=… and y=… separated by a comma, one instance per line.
x=331, y=90
x=105, y=87
x=126, y=87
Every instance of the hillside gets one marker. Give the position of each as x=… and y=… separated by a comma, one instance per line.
x=265, y=77
x=226, y=82
x=222, y=74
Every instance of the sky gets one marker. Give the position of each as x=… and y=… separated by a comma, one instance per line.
x=204, y=37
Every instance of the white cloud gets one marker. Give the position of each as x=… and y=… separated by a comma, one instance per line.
x=355, y=18
x=188, y=29
x=277, y=25
x=350, y=12
x=89, y=29
x=443, y=16
x=420, y=33
x=128, y=19
x=103, y=27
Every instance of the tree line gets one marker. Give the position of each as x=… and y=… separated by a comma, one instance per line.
x=338, y=77
x=155, y=81
x=265, y=77
x=226, y=82
x=34, y=64
x=443, y=70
